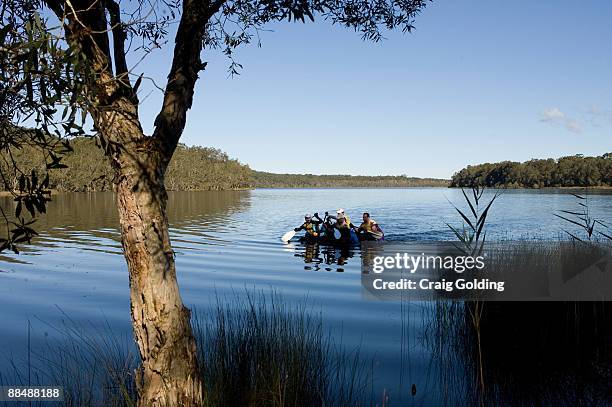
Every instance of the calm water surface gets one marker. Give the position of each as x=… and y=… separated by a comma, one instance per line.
x=229, y=241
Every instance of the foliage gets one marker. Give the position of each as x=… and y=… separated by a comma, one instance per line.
x=204, y=168
x=581, y=218
x=571, y=171
x=472, y=238
x=259, y=351
x=94, y=42
x=191, y=168
x=35, y=80
x=56, y=71
x=270, y=180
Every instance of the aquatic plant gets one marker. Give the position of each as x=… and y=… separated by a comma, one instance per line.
x=93, y=365
x=259, y=351
x=472, y=237
x=526, y=353
x=471, y=242
x=253, y=350
x=582, y=219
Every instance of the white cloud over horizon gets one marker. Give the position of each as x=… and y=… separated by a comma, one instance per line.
x=555, y=116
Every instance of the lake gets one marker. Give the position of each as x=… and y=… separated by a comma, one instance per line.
x=229, y=242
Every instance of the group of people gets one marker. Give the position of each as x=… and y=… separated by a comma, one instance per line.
x=318, y=229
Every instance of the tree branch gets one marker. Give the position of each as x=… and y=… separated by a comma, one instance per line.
x=56, y=7
x=119, y=37
x=86, y=29
x=112, y=98
x=183, y=75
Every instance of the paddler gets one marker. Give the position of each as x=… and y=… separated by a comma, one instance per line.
x=310, y=226
x=369, y=229
x=344, y=228
x=340, y=214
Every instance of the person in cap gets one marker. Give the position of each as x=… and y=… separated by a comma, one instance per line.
x=340, y=214
x=311, y=226
x=343, y=228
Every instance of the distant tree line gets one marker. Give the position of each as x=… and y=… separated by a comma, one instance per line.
x=86, y=169
x=271, y=180
x=571, y=171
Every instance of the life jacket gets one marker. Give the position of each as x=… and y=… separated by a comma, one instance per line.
x=367, y=226
x=310, y=228
x=347, y=220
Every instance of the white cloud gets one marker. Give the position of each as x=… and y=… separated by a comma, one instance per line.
x=598, y=116
x=573, y=126
x=554, y=116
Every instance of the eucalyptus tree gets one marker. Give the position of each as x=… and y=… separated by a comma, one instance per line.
x=68, y=59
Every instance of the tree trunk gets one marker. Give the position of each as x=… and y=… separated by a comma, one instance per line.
x=169, y=375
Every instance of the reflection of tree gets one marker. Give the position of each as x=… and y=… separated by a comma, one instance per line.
x=84, y=217
x=205, y=206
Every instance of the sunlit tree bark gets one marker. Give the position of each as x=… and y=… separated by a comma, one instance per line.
x=169, y=375
x=96, y=36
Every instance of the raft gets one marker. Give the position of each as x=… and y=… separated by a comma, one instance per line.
x=331, y=240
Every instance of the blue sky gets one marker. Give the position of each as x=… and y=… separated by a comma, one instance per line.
x=478, y=81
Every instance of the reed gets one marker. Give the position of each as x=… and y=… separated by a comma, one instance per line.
x=94, y=365
x=588, y=227
x=254, y=350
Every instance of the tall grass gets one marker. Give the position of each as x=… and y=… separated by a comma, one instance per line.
x=472, y=235
x=93, y=365
x=471, y=242
x=526, y=353
x=589, y=228
x=254, y=350
x=546, y=353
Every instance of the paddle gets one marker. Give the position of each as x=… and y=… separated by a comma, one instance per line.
x=377, y=235
x=288, y=236
x=337, y=234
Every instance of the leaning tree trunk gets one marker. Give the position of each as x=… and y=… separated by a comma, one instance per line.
x=169, y=375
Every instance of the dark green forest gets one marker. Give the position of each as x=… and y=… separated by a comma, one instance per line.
x=270, y=180
x=191, y=169
x=571, y=171
x=204, y=168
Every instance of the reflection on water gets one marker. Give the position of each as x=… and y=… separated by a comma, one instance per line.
x=89, y=221
x=227, y=242
x=322, y=257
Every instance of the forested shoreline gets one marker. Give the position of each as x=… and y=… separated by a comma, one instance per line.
x=272, y=180
x=87, y=169
x=570, y=171
x=191, y=169
x=204, y=168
